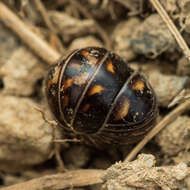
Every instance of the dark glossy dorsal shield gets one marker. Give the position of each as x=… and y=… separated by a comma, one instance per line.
x=95, y=94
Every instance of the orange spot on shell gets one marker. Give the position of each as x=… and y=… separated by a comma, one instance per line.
x=91, y=59
x=49, y=83
x=85, y=53
x=138, y=85
x=122, y=110
x=86, y=107
x=68, y=83
x=110, y=67
x=95, y=89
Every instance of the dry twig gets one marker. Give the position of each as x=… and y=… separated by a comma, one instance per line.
x=69, y=179
x=163, y=123
x=172, y=28
x=39, y=46
x=181, y=97
x=77, y=178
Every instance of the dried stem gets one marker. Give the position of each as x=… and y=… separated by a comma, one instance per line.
x=39, y=46
x=77, y=178
x=67, y=140
x=163, y=123
x=172, y=28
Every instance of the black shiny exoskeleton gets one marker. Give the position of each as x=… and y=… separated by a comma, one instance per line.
x=93, y=93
